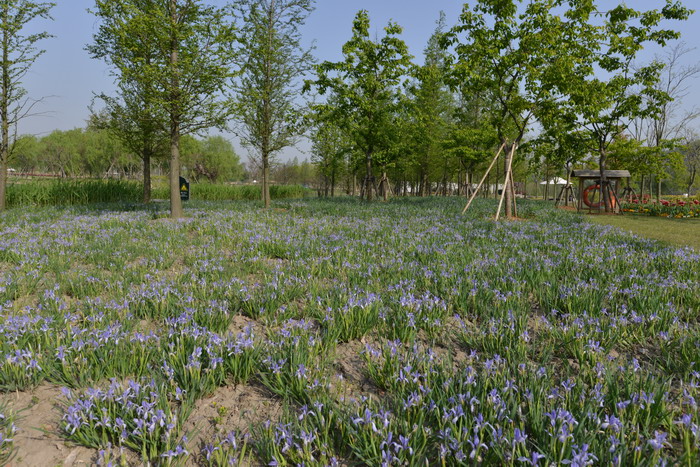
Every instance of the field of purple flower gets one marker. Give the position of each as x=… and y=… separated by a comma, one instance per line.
x=337, y=333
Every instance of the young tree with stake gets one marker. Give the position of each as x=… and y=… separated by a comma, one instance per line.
x=608, y=93
x=510, y=55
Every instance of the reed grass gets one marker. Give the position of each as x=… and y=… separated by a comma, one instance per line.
x=81, y=192
x=72, y=192
x=219, y=192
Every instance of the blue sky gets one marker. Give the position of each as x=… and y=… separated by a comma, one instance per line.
x=67, y=78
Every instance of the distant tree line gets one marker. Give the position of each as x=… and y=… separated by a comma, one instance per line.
x=97, y=153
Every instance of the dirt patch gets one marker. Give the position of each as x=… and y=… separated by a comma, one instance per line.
x=37, y=440
x=230, y=408
x=146, y=325
x=349, y=361
x=351, y=380
x=452, y=352
x=239, y=323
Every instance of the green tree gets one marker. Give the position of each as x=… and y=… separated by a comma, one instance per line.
x=469, y=141
x=132, y=117
x=26, y=154
x=606, y=92
x=213, y=158
x=187, y=51
x=666, y=126
x=132, y=114
x=18, y=47
x=510, y=53
x=330, y=149
x=59, y=150
x=692, y=162
x=274, y=62
x=560, y=145
x=366, y=89
x=295, y=173
x=431, y=109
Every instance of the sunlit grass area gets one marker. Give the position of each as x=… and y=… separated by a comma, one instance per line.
x=680, y=232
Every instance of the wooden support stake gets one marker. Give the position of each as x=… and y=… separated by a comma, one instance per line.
x=505, y=185
x=515, y=200
x=498, y=154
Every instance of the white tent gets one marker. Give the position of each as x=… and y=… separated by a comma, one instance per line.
x=554, y=181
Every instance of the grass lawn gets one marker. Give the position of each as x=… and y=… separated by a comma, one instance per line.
x=682, y=232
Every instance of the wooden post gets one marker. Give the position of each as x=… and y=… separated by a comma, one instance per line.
x=512, y=187
x=505, y=185
x=498, y=154
x=580, y=194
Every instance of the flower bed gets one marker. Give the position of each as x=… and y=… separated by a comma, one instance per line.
x=393, y=334
x=677, y=209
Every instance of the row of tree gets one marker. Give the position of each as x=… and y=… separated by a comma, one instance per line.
x=566, y=68
x=97, y=153
x=181, y=67
x=563, y=67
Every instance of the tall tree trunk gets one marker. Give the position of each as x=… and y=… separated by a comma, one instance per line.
x=4, y=111
x=147, y=176
x=4, y=156
x=604, y=184
x=641, y=190
x=368, y=177
x=267, y=107
x=3, y=179
x=498, y=177
x=444, y=180
x=385, y=186
x=175, y=201
x=566, y=188
x=266, y=180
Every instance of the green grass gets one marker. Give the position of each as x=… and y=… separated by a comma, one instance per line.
x=72, y=192
x=86, y=192
x=218, y=192
x=680, y=232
